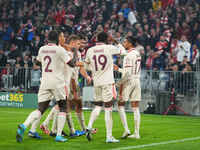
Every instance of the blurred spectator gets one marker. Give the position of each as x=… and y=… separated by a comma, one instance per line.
x=183, y=49
x=26, y=24
x=149, y=57
x=6, y=76
x=197, y=42
x=3, y=59
x=183, y=64
x=195, y=55
x=35, y=78
x=17, y=76
x=159, y=61
x=14, y=52
x=157, y=4
x=27, y=60
x=125, y=10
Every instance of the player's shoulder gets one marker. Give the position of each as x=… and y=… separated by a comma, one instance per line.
x=43, y=47
x=135, y=53
x=60, y=47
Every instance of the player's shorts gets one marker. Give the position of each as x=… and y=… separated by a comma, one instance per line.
x=104, y=93
x=67, y=90
x=131, y=90
x=47, y=94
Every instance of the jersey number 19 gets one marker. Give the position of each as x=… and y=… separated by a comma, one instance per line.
x=101, y=60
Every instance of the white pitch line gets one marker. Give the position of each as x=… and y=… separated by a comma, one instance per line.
x=156, y=144
x=13, y=112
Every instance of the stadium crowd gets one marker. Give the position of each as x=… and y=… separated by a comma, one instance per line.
x=170, y=36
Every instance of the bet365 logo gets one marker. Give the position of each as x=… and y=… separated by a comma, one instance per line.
x=12, y=97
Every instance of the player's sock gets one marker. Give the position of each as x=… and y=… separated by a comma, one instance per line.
x=35, y=125
x=49, y=117
x=137, y=120
x=109, y=122
x=70, y=123
x=61, y=122
x=81, y=120
x=33, y=116
x=123, y=118
x=55, y=118
x=94, y=114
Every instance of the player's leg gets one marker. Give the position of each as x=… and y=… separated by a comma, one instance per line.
x=60, y=96
x=45, y=124
x=93, y=116
x=123, y=97
x=95, y=112
x=54, y=123
x=136, y=111
x=135, y=98
x=107, y=95
x=34, y=117
x=80, y=115
x=78, y=109
x=32, y=132
x=69, y=116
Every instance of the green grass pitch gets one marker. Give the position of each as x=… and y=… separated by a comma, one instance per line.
x=154, y=129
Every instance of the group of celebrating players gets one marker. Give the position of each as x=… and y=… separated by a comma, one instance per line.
x=61, y=63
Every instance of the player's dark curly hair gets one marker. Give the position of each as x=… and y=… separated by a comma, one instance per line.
x=132, y=40
x=102, y=37
x=53, y=36
x=73, y=37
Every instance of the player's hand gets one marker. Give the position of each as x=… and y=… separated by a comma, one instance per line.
x=89, y=80
x=116, y=68
x=120, y=97
x=79, y=64
x=113, y=40
x=66, y=46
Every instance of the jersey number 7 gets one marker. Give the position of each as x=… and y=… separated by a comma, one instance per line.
x=137, y=66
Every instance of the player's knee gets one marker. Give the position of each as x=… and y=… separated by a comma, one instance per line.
x=56, y=107
x=78, y=109
x=42, y=106
x=79, y=106
x=67, y=107
x=121, y=103
x=135, y=104
x=108, y=104
x=62, y=105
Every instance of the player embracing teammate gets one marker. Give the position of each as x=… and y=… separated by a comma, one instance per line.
x=129, y=86
x=53, y=59
x=60, y=68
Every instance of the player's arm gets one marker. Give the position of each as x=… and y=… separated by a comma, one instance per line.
x=38, y=59
x=127, y=64
x=74, y=63
x=118, y=49
x=38, y=63
x=85, y=75
x=117, y=68
x=87, y=61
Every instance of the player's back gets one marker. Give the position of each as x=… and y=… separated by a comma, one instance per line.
x=101, y=61
x=132, y=64
x=53, y=59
